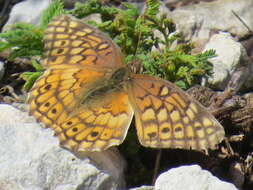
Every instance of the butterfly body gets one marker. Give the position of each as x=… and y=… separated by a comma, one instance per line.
x=88, y=96
x=116, y=81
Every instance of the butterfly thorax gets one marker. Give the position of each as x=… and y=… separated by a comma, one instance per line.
x=114, y=83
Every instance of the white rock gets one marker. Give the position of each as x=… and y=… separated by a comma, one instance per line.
x=199, y=21
x=190, y=178
x=144, y=187
x=28, y=11
x=31, y=159
x=231, y=59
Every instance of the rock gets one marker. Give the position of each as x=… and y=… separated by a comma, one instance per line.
x=205, y=18
x=190, y=177
x=179, y=3
x=144, y=187
x=93, y=17
x=232, y=66
x=31, y=159
x=28, y=11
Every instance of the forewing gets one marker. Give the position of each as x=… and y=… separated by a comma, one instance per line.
x=59, y=91
x=166, y=117
x=72, y=42
x=79, y=59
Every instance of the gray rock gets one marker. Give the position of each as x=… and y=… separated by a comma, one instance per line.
x=199, y=21
x=232, y=66
x=144, y=187
x=189, y=178
x=28, y=11
x=31, y=159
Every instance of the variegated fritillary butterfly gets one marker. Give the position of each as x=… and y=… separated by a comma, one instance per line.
x=88, y=96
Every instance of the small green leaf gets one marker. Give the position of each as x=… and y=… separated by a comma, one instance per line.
x=37, y=65
x=30, y=78
x=181, y=84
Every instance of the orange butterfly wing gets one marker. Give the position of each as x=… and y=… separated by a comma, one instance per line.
x=166, y=117
x=70, y=42
x=79, y=60
x=98, y=124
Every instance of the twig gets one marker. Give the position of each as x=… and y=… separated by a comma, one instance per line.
x=157, y=165
x=243, y=22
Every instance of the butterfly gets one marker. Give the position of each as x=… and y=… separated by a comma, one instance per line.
x=88, y=96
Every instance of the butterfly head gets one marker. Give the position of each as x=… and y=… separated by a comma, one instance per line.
x=135, y=66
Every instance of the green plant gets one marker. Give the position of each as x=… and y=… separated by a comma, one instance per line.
x=136, y=34
x=23, y=40
x=26, y=40
x=31, y=77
